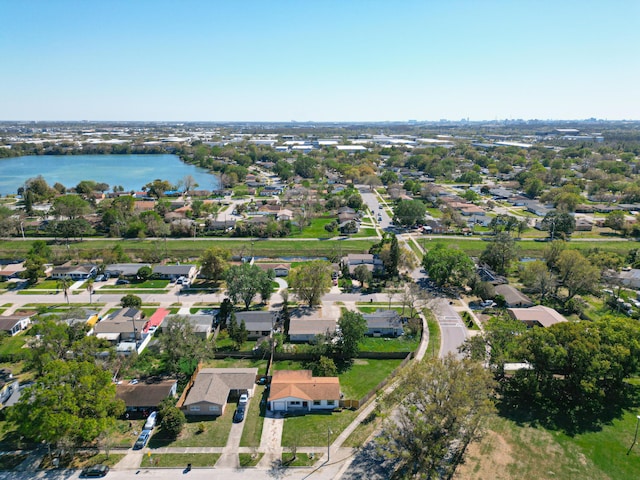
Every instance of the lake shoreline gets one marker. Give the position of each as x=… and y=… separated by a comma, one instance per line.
x=130, y=171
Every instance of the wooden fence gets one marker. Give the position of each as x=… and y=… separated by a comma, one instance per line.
x=188, y=387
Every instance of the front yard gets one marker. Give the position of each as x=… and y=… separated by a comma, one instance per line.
x=199, y=432
x=312, y=429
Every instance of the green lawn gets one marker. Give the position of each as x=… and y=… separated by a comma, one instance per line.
x=311, y=430
x=531, y=248
x=363, y=431
x=366, y=308
x=383, y=344
x=249, y=459
x=44, y=285
x=364, y=375
x=433, y=349
x=216, y=432
x=514, y=451
x=254, y=418
x=315, y=230
x=300, y=460
x=188, y=248
x=158, y=284
x=13, y=345
x=225, y=344
x=172, y=460
x=287, y=365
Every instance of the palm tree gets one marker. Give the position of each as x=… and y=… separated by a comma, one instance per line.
x=63, y=284
x=89, y=286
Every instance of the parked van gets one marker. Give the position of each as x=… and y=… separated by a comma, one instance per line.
x=151, y=421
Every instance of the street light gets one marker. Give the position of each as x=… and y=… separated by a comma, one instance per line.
x=329, y=432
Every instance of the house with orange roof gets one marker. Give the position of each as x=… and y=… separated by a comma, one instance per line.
x=299, y=390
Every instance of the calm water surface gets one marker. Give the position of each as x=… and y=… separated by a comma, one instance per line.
x=130, y=171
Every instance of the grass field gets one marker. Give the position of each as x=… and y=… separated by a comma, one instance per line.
x=531, y=248
x=186, y=248
x=512, y=451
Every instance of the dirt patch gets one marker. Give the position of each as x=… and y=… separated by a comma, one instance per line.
x=487, y=459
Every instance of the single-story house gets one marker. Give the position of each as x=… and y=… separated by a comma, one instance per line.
x=125, y=325
x=14, y=324
x=349, y=227
x=513, y=297
x=538, y=316
x=173, y=272
x=280, y=269
x=583, y=224
x=202, y=324
x=220, y=226
x=259, y=324
x=299, y=390
x=145, y=396
x=213, y=386
x=74, y=272
x=12, y=270
x=306, y=324
x=384, y=323
x=125, y=269
x=373, y=263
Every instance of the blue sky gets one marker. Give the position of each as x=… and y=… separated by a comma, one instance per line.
x=319, y=60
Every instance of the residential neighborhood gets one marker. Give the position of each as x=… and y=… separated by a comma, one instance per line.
x=272, y=321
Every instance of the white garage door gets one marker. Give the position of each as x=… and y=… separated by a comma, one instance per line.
x=279, y=406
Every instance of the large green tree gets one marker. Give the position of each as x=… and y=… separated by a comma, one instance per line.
x=558, y=223
x=353, y=327
x=441, y=408
x=578, y=371
x=409, y=212
x=182, y=348
x=131, y=301
x=500, y=252
x=72, y=400
x=310, y=280
x=213, y=263
x=244, y=282
x=70, y=207
x=536, y=276
x=448, y=266
x=577, y=274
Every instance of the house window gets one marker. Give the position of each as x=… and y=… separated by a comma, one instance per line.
x=331, y=402
x=213, y=408
x=294, y=402
x=194, y=408
x=317, y=402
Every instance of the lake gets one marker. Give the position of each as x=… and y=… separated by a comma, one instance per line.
x=130, y=171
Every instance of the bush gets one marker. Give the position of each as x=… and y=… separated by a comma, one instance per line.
x=172, y=421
